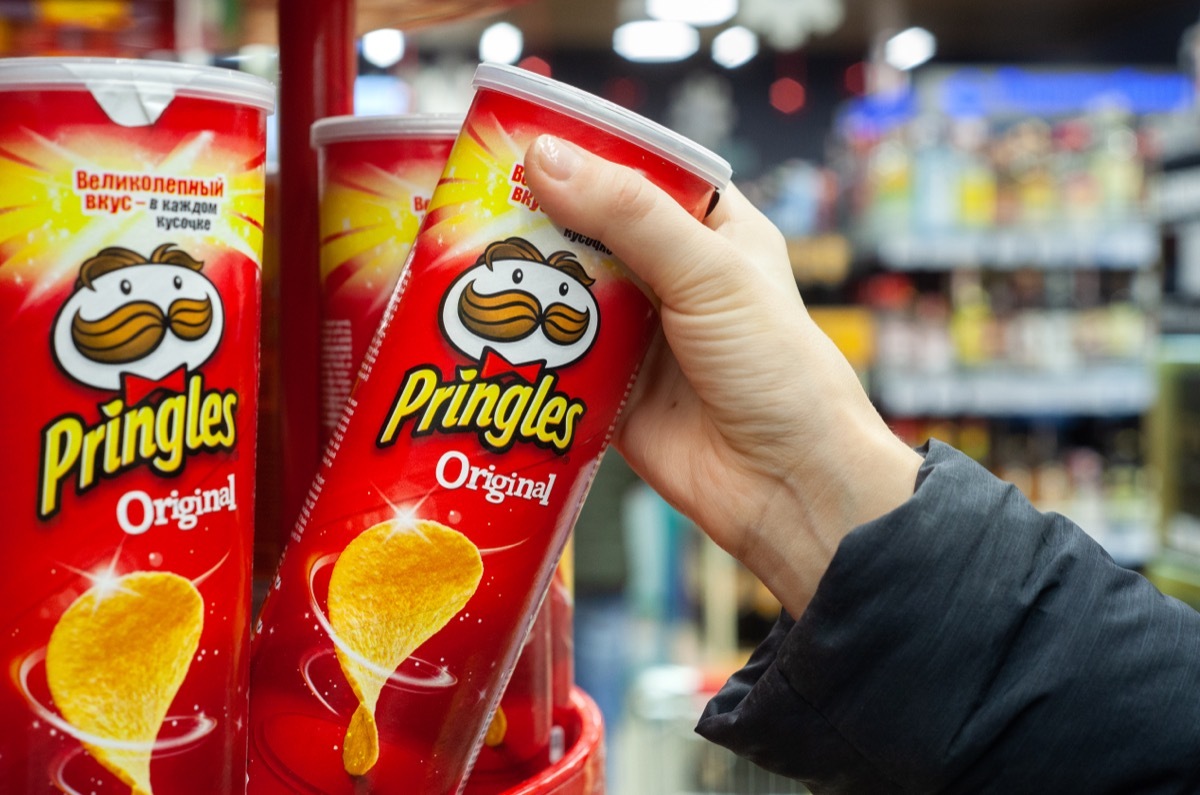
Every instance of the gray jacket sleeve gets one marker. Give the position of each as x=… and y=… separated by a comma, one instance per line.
x=966, y=643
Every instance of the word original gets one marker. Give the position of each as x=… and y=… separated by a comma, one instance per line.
x=455, y=471
x=137, y=511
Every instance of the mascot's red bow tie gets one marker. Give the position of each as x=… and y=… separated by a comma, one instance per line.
x=136, y=389
x=494, y=365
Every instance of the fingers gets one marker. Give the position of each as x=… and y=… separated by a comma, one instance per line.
x=751, y=233
x=657, y=239
x=732, y=209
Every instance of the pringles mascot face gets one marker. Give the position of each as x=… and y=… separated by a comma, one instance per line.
x=137, y=319
x=521, y=307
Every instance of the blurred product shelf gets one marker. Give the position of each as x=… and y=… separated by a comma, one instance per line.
x=1113, y=390
x=663, y=753
x=1175, y=452
x=1125, y=245
x=1004, y=240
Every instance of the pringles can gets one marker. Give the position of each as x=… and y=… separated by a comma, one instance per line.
x=376, y=176
x=458, y=468
x=131, y=221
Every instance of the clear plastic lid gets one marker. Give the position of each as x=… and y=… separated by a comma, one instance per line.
x=609, y=117
x=373, y=128
x=125, y=83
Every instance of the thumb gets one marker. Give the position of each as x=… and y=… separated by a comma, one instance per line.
x=664, y=246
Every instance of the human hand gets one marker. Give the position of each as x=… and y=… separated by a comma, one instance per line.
x=748, y=419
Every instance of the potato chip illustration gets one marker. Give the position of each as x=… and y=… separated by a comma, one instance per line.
x=496, y=729
x=392, y=588
x=115, y=661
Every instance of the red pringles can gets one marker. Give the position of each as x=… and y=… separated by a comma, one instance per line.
x=131, y=214
x=376, y=178
x=460, y=464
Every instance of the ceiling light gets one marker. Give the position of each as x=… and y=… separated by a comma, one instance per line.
x=700, y=13
x=909, y=48
x=787, y=24
x=501, y=43
x=383, y=47
x=655, y=41
x=734, y=47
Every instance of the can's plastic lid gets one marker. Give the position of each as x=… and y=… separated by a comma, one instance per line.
x=607, y=116
x=372, y=128
x=135, y=92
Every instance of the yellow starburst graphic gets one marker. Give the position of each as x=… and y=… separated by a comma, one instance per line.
x=47, y=227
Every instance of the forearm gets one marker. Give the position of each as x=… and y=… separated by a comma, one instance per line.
x=967, y=643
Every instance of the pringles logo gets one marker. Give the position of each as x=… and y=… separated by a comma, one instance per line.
x=140, y=328
x=518, y=316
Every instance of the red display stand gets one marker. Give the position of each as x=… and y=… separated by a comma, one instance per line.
x=579, y=772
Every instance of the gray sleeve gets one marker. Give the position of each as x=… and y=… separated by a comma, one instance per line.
x=966, y=643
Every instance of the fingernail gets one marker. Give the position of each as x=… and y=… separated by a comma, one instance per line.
x=559, y=159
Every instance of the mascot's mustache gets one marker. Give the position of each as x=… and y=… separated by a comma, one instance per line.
x=514, y=315
x=133, y=330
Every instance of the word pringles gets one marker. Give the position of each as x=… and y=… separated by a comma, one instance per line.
x=520, y=316
x=132, y=209
x=115, y=661
x=137, y=326
x=391, y=589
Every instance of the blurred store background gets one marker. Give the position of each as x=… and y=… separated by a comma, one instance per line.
x=992, y=207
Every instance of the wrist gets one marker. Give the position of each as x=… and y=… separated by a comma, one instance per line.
x=863, y=471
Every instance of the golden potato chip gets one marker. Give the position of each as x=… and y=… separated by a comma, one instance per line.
x=392, y=588
x=115, y=661
x=496, y=729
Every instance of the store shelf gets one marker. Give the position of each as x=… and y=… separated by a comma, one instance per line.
x=1117, y=390
x=1122, y=246
x=1132, y=547
x=820, y=259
